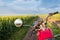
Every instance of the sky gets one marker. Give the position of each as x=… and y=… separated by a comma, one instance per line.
x=13, y=7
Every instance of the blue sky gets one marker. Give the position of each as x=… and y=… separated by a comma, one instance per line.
x=28, y=6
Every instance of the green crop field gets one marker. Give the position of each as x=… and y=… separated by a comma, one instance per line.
x=8, y=31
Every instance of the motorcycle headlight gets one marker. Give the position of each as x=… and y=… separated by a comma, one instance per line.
x=18, y=22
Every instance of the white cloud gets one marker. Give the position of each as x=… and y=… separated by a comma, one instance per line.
x=24, y=5
x=47, y=10
x=5, y=11
x=22, y=2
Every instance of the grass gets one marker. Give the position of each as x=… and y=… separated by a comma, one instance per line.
x=19, y=35
x=8, y=31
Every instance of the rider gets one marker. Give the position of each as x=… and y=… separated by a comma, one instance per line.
x=44, y=33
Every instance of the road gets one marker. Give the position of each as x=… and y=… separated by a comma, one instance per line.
x=29, y=36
